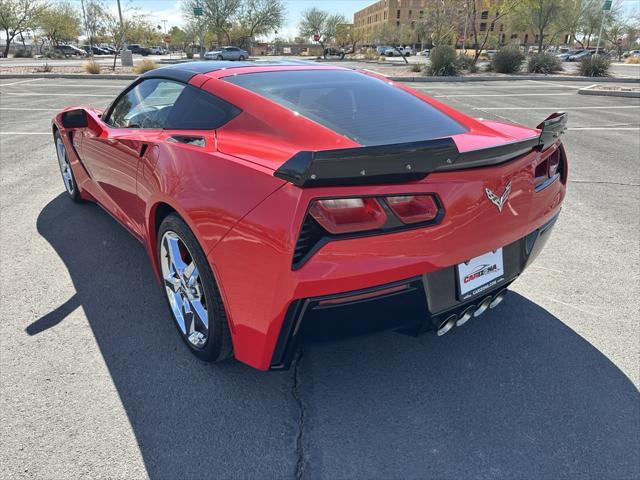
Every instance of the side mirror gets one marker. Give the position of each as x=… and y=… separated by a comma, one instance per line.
x=74, y=119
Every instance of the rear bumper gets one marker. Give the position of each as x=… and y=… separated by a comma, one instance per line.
x=414, y=305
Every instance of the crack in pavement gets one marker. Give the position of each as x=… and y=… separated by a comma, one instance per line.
x=300, y=463
x=604, y=182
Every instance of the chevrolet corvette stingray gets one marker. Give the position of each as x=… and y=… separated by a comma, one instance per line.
x=282, y=202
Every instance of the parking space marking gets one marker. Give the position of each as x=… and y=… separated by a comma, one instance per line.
x=604, y=128
x=21, y=94
x=74, y=85
x=25, y=133
x=18, y=82
x=505, y=95
x=31, y=109
x=610, y=107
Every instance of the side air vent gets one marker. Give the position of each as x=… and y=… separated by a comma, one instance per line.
x=311, y=234
x=188, y=139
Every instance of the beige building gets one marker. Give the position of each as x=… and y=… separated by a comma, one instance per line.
x=410, y=12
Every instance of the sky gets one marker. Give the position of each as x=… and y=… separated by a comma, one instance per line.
x=171, y=11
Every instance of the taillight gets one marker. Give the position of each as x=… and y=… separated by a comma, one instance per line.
x=344, y=215
x=413, y=208
x=554, y=163
x=548, y=169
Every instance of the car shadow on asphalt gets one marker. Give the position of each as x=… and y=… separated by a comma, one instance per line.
x=515, y=393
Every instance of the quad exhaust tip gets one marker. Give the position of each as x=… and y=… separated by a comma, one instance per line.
x=447, y=325
x=482, y=307
x=498, y=298
x=471, y=312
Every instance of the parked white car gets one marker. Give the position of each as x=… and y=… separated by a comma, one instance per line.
x=227, y=53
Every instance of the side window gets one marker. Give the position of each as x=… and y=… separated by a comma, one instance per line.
x=196, y=109
x=147, y=105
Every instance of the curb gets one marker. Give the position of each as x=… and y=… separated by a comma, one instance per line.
x=593, y=90
x=567, y=78
x=81, y=76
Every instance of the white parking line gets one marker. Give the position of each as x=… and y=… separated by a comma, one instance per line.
x=73, y=85
x=31, y=109
x=25, y=133
x=610, y=107
x=56, y=94
x=505, y=95
x=18, y=82
x=604, y=128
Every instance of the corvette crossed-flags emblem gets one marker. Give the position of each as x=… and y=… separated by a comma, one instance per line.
x=499, y=201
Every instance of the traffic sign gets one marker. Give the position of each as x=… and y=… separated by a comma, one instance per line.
x=167, y=39
x=606, y=6
x=316, y=38
x=197, y=11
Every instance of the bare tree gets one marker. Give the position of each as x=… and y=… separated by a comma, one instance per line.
x=17, y=17
x=498, y=13
x=318, y=22
x=442, y=19
x=394, y=37
x=218, y=16
x=259, y=17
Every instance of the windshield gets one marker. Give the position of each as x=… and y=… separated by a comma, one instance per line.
x=363, y=108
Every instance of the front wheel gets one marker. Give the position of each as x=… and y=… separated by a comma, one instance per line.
x=219, y=57
x=68, y=178
x=191, y=292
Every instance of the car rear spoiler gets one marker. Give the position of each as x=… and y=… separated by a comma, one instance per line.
x=405, y=162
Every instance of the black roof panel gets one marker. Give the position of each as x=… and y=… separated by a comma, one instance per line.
x=186, y=71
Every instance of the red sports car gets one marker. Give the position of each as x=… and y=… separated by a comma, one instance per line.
x=280, y=202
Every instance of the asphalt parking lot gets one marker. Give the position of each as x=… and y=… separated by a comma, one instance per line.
x=96, y=383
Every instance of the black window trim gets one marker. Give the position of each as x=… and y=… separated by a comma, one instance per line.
x=107, y=115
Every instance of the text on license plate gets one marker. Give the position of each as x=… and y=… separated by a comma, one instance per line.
x=480, y=274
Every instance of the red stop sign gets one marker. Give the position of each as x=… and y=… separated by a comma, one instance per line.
x=316, y=38
x=619, y=41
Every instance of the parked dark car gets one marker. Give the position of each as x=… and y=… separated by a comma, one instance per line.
x=139, y=49
x=333, y=52
x=95, y=50
x=71, y=50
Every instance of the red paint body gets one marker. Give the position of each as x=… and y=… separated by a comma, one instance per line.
x=247, y=221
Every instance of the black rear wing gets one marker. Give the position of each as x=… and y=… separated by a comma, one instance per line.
x=403, y=162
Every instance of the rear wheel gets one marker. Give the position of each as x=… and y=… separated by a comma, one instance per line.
x=241, y=58
x=191, y=292
x=65, y=169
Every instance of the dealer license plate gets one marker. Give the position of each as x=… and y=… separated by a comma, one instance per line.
x=480, y=274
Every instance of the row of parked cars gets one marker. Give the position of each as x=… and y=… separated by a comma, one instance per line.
x=387, y=51
x=577, y=54
x=69, y=50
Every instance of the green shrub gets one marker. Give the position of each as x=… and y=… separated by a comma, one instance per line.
x=189, y=55
x=507, y=60
x=23, y=54
x=443, y=61
x=543, y=63
x=594, y=66
x=465, y=62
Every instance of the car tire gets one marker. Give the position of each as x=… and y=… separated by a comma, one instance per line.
x=210, y=344
x=219, y=57
x=241, y=58
x=68, y=178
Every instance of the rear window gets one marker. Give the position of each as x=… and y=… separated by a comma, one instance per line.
x=365, y=109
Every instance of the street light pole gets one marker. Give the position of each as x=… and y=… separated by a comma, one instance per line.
x=122, y=38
